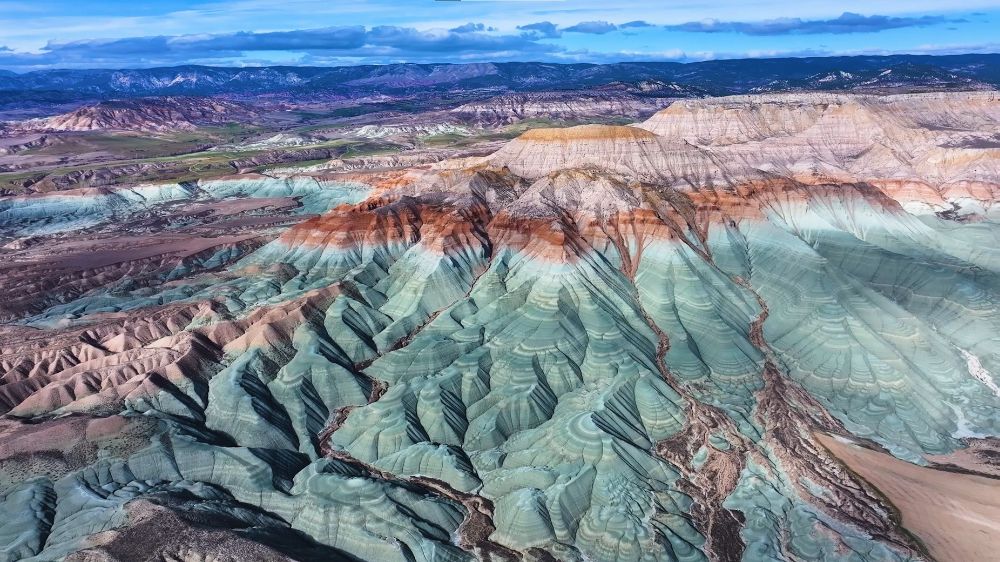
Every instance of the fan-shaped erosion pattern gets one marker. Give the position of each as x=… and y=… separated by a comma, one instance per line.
x=646, y=342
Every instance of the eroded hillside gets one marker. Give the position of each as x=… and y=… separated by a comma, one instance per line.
x=596, y=343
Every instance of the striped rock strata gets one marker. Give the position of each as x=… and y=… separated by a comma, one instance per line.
x=598, y=343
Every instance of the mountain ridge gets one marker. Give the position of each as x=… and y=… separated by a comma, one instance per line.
x=717, y=77
x=143, y=114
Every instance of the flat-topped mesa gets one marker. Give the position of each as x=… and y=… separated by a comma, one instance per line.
x=627, y=152
x=726, y=143
x=585, y=133
x=943, y=144
x=725, y=121
x=539, y=152
x=902, y=118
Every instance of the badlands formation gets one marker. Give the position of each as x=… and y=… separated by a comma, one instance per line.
x=710, y=335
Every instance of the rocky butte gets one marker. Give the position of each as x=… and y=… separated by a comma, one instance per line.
x=747, y=328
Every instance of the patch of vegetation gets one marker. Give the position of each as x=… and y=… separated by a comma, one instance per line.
x=446, y=139
x=229, y=133
x=121, y=146
x=359, y=149
x=353, y=111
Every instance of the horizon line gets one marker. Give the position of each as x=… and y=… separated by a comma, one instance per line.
x=581, y=63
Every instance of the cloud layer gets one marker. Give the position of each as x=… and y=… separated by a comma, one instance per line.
x=348, y=41
x=541, y=29
x=595, y=27
x=476, y=41
x=549, y=30
x=847, y=22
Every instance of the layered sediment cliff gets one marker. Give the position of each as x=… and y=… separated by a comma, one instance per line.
x=597, y=343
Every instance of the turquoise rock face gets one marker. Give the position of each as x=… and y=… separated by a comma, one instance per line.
x=57, y=213
x=480, y=364
x=51, y=214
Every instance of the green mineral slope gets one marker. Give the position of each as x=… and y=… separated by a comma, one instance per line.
x=490, y=362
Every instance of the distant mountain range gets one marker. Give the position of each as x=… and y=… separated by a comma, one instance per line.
x=659, y=79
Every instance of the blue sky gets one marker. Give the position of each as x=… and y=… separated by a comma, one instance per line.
x=87, y=34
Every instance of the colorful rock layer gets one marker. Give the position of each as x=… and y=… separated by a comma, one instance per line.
x=598, y=343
